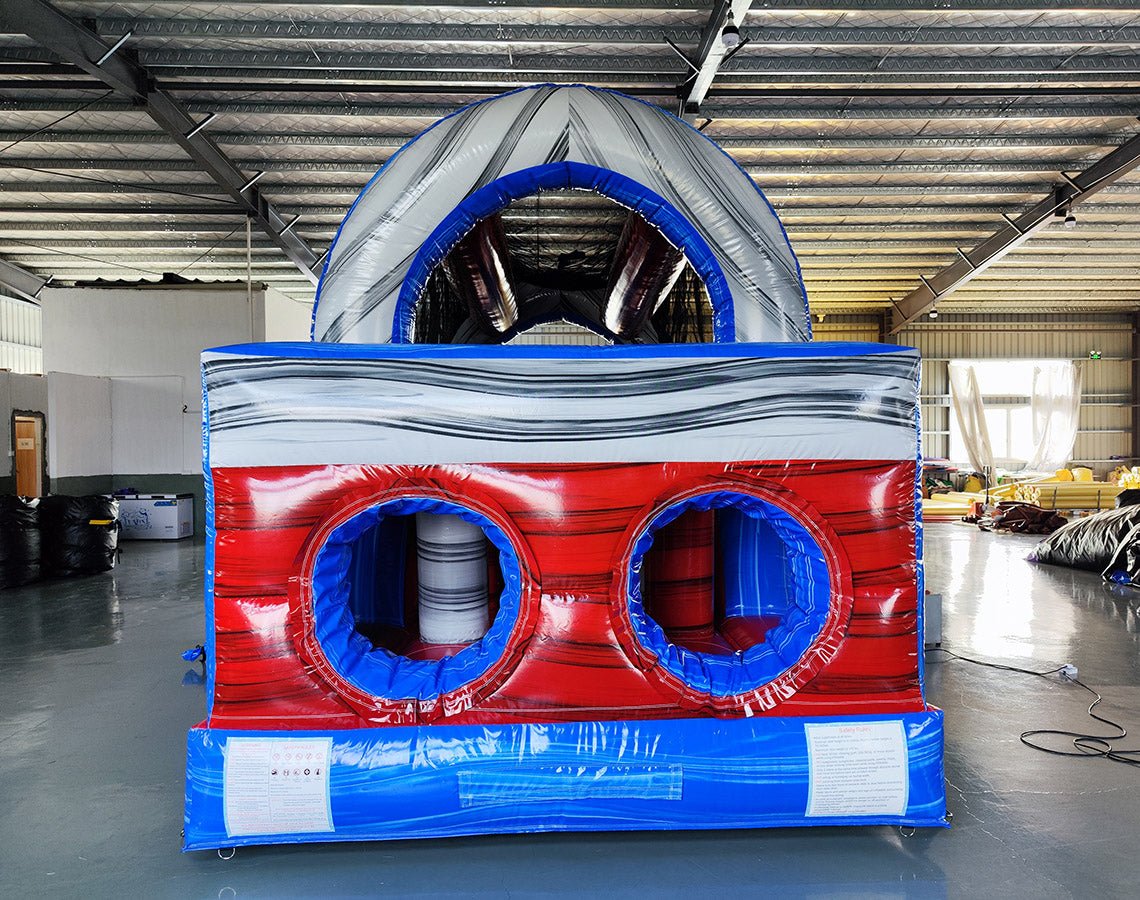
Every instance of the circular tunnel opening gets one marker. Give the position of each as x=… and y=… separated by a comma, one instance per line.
x=414, y=597
x=728, y=591
x=562, y=265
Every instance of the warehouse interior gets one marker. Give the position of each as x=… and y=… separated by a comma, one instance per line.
x=960, y=178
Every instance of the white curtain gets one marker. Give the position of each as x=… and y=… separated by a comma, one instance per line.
x=966, y=399
x=1056, y=408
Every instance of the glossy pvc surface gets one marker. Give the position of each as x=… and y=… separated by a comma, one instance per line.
x=690, y=774
x=572, y=651
x=473, y=163
x=576, y=709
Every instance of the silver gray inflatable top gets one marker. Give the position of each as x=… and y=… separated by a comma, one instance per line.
x=482, y=157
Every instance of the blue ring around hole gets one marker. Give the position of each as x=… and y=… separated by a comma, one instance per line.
x=731, y=675
x=379, y=672
x=499, y=194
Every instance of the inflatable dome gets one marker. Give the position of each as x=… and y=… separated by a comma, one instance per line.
x=474, y=163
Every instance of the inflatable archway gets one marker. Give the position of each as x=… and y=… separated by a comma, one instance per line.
x=711, y=207
x=479, y=588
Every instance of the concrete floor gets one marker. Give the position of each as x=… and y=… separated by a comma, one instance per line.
x=95, y=702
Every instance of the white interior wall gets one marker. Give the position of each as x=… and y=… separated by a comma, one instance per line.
x=285, y=318
x=79, y=425
x=149, y=431
x=148, y=342
x=27, y=392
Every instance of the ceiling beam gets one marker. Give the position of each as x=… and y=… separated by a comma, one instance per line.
x=789, y=194
x=934, y=7
x=837, y=141
x=520, y=68
x=810, y=36
x=71, y=41
x=803, y=235
x=334, y=64
x=666, y=5
x=771, y=112
x=398, y=84
x=1117, y=164
x=328, y=32
x=848, y=210
x=776, y=169
x=491, y=73
x=16, y=282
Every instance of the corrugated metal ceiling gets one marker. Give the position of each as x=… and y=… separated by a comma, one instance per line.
x=887, y=134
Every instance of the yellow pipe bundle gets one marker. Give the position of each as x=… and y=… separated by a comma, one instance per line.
x=950, y=506
x=1069, y=494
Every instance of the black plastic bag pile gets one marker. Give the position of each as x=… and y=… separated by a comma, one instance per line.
x=78, y=535
x=19, y=542
x=1107, y=542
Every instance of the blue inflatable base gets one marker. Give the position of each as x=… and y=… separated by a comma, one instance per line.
x=446, y=781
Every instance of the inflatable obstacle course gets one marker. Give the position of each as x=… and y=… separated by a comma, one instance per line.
x=481, y=588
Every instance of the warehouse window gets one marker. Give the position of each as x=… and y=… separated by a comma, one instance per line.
x=1029, y=408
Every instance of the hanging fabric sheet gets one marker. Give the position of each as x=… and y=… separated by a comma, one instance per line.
x=966, y=398
x=1056, y=409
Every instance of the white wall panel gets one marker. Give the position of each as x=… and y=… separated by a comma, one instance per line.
x=28, y=392
x=146, y=425
x=144, y=334
x=285, y=318
x=140, y=331
x=20, y=336
x=79, y=425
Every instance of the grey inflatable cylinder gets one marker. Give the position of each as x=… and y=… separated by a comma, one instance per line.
x=452, y=567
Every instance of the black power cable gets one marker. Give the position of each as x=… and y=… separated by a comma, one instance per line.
x=1096, y=746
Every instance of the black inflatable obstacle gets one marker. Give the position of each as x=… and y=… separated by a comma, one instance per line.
x=79, y=535
x=1107, y=542
x=19, y=542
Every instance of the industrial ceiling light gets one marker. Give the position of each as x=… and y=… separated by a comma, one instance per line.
x=933, y=314
x=730, y=35
x=1070, y=219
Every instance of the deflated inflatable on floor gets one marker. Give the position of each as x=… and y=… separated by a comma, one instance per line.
x=477, y=588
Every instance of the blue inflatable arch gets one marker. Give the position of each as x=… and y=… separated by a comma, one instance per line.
x=500, y=193
x=502, y=149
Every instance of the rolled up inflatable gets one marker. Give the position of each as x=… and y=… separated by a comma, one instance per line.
x=1088, y=543
x=19, y=542
x=78, y=535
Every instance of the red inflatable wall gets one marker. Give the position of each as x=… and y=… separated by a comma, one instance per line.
x=572, y=654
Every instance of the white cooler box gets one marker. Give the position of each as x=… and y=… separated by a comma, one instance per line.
x=156, y=517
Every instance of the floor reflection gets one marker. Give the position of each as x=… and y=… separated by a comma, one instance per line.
x=56, y=617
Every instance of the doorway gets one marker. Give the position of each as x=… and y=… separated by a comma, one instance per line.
x=30, y=460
